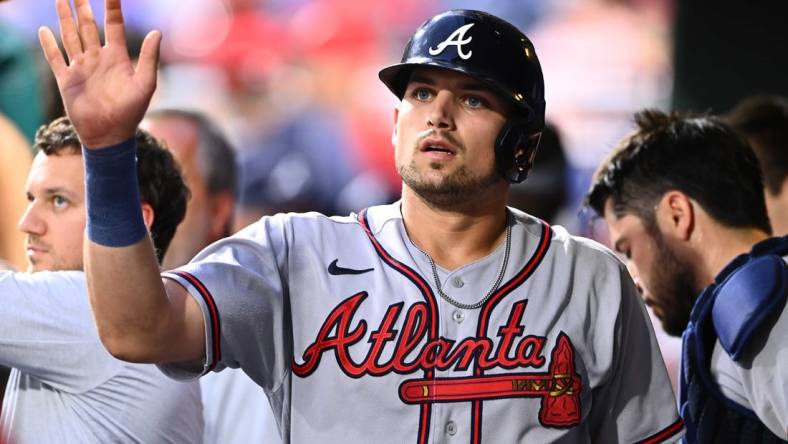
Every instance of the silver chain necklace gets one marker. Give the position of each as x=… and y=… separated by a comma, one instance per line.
x=498, y=280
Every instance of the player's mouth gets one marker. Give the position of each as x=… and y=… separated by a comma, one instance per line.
x=35, y=251
x=438, y=149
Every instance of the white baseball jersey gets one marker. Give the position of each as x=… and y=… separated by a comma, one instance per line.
x=66, y=388
x=338, y=320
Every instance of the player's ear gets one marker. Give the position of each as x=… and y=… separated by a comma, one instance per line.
x=222, y=207
x=148, y=215
x=675, y=214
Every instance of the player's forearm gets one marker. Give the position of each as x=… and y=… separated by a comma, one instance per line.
x=130, y=306
x=128, y=298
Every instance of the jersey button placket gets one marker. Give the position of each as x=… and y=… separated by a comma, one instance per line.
x=457, y=324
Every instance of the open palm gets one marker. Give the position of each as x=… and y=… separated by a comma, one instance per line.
x=104, y=95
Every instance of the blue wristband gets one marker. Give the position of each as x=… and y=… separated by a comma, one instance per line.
x=113, y=196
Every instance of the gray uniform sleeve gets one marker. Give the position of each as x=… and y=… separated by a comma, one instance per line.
x=47, y=330
x=763, y=372
x=637, y=399
x=240, y=283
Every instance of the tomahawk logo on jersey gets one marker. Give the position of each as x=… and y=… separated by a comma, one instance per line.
x=381, y=357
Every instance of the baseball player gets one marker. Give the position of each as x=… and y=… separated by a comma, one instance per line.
x=64, y=386
x=443, y=317
x=698, y=240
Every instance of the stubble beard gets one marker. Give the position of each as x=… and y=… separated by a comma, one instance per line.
x=449, y=191
x=57, y=264
x=674, y=283
x=55, y=261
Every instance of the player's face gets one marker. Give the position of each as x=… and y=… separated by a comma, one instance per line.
x=444, y=135
x=55, y=217
x=664, y=279
x=182, y=139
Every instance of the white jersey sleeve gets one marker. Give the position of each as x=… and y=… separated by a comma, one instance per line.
x=47, y=330
x=240, y=286
x=760, y=380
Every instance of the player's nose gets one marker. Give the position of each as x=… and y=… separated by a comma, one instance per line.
x=441, y=115
x=31, y=222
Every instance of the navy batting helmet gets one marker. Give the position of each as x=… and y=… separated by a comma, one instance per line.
x=494, y=52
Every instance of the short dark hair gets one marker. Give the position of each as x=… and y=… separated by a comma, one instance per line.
x=159, y=178
x=698, y=155
x=764, y=122
x=216, y=155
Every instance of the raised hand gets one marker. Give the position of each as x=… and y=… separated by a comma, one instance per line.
x=105, y=96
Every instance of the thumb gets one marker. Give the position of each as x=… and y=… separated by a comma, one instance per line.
x=149, y=60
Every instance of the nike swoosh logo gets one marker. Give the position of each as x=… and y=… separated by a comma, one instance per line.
x=336, y=270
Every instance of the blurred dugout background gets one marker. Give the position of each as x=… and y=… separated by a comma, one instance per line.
x=294, y=84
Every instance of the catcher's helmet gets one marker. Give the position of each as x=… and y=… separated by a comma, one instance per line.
x=493, y=51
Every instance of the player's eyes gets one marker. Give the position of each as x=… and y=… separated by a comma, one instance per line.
x=59, y=202
x=422, y=94
x=475, y=102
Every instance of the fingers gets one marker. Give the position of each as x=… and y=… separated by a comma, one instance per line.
x=68, y=29
x=88, y=31
x=51, y=51
x=113, y=23
x=149, y=59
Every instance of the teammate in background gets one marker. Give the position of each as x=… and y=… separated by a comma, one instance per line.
x=683, y=199
x=443, y=315
x=64, y=386
x=764, y=122
x=234, y=409
x=207, y=163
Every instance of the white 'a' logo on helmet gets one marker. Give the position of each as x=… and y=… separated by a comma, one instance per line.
x=457, y=38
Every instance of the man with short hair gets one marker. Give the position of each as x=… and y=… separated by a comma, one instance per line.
x=207, y=162
x=64, y=386
x=764, y=122
x=446, y=316
x=683, y=199
x=235, y=411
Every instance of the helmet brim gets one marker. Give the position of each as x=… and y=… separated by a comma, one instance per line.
x=396, y=78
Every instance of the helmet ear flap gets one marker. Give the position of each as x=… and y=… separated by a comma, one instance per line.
x=515, y=149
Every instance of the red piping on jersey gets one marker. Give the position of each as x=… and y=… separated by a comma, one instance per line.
x=213, y=313
x=665, y=434
x=426, y=291
x=484, y=316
